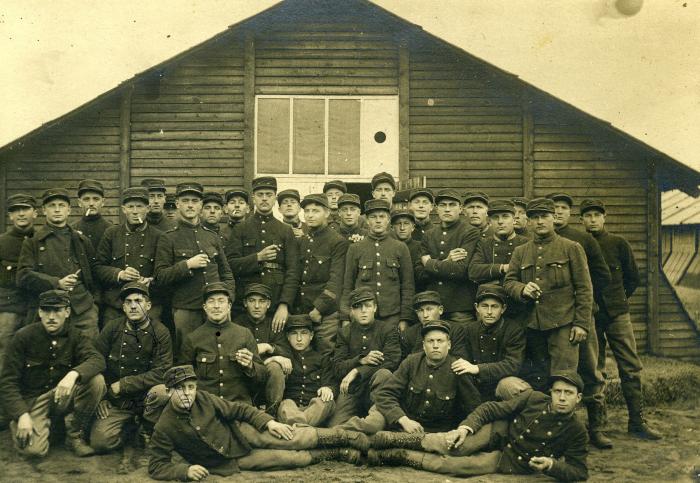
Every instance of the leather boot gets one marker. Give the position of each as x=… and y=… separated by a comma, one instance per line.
x=596, y=417
x=391, y=439
x=395, y=457
x=334, y=437
x=346, y=455
x=636, y=424
x=76, y=443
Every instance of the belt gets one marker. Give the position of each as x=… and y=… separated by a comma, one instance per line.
x=272, y=265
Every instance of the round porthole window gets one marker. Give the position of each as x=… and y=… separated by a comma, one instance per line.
x=380, y=137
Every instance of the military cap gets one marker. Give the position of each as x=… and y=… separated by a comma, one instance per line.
x=54, y=298
x=20, y=200
x=318, y=198
x=383, y=177
x=134, y=287
x=448, y=194
x=571, y=377
x=520, y=201
x=487, y=290
x=189, y=187
x=592, y=204
x=290, y=193
x=259, y=289
x=540, y=205
x=213, y=197
x=476, y=195
x=337, y=184
x=427, y=297
x=501, y=206
x=557, y=196
x=90, y=185
x=374, y=205
x=301, y=321
x=169, y=201
x=435, y=325
x=361, y=294
x=216, y=287
x=261, y=182
x=154, y=184
x=176, y=375
x=52, y=193
x=135, y=193
x=350, y=198
x=237, y=192
x=396, y=214
x=428, y=193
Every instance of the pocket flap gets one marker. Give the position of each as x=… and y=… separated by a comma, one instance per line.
x=206, y=358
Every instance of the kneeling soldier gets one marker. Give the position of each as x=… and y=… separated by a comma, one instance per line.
x=428, y=307
x=138, y=352
x=51, y=368
x=216, y=436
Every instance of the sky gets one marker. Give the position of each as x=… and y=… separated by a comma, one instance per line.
x=640, y=72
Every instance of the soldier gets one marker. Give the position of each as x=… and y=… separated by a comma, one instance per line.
x=550, y=275
x=21, y=209
x=421, y=203
x=138, y=351
x=321, y=268
x=263, y=249
x=157, y=200
x=236, y=208
x=333, y=190
x=403, y=224
x=170, y=209
x=91, y=200
x=51, y=369
x=188, y=258
x=382, y=264
x=544, y=437
x=212, y=212
x=289, y=203
x=594, y=383
x=219, y=437
x=58, y=256
x=613, y=322
x=428, y=307
x=494, y=347
x=476, y=205
x=349, y=210
x=521, y=227
x=127, y=253
x=383, y=188
x=365, y=354
x=447, y=251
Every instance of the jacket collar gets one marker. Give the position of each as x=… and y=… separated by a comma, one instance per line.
x=49, y=230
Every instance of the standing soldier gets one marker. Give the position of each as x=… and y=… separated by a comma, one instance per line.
x=236, y=208
x=127, y=253
x=157, y=204
x=403, y=223
x=420, y=203
x=91, y=200
x=60, y=257
x=262, y=249
x=170, y=208
x=212, y=212
x=384, y=188
x=321, y=268
x=349, y=210
x=188, y=258
x=382, y=264
x=521, y=227
x=447, y=251
x=613, y=323
x=476, y=206
x=594, y=383
x=333, y=190
x=289, y=203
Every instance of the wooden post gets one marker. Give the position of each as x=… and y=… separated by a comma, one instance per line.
x=404, y=100
x=528, y=145
x=248, y=109
x=125, y=138
x=653, y=259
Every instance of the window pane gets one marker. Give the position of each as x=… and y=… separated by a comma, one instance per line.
x=344, y=136
x=309, y=136
x=273, y=136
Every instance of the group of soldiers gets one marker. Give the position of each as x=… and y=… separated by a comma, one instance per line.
x=457, y=336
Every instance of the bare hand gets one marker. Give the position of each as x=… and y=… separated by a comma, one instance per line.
x=455, y=438
x=280, y=318
x=103, y=409
x=424, y=259
x=532, y=290
x=577, y=334
x=374, y=358
x=460, y=366
x=201, y=260
x=129, y=274
x=541, y=463
x=282, y=431
x=68, y=282
x=65, y=386
x=284, y=363
x=325, y=393
x=264, y=348
x=347, y=380
x=457, y=254
x=298, y=232
x=196, y=473
x=268, y=254
x=244, y=357
x=315, y=316
x=504, y=268
x=410, y=426
x=403, y=325
x=146, y=281
x=25, y=428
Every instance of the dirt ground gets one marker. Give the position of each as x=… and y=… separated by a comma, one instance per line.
x=675, y=458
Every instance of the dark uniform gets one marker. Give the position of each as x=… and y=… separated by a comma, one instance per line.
x=158, y=220
x=231, y=223
x=486, y=231
x=92, y=226
x=490, y=254
x=523, y=230
x=334, y=219
x=209, y=197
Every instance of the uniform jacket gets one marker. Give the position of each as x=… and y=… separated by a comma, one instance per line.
x=262, y=332
x=227, y=229
x=211, y=349
x=93, y=227
x=349, y=232
x=384, y=265
x=489, y=255
x=450, y=279
x=559, y=267
x=321, y=270
x=123, y=247
x=422, y=227
x=597, y=266
x=420, y=278
x=310, y=372
x=160, y=221
x=174, y=248
x=205, y=435
x=12, y=298
x=35, y=362
x=412, y=340
x=247, y=239
x=535, y=430
x=432, y=395
x=623, y=268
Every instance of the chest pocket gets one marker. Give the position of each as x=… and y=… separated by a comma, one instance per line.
x=365, y=269
x=205, y=364
x=392, y=268
x=527, y=272
x=430, y=404
x=558, y=273
x=250, y=246
x=615, y=272
x=184, y=253
x=319, y=268
x=7, y=273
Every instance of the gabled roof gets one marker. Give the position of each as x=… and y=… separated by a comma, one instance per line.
x=678, y=208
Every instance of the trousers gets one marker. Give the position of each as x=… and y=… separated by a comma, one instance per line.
x=314, y=414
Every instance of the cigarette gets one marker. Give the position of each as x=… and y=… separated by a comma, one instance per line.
x=88, y=212
x=138, y=217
